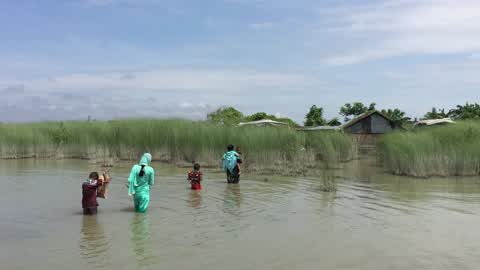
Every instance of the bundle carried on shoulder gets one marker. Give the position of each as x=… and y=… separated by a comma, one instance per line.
x=104, y=181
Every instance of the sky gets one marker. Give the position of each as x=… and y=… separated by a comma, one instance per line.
x=66, y=60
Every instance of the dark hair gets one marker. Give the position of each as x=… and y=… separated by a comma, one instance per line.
x=93, y=175
x=196, y=166
x=230, y=147
x=142, y=172
x=237, y=149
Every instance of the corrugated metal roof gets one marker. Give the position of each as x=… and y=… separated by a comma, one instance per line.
x=363, y=116
x=262, y=122
x=430, y=122
x=321, y=128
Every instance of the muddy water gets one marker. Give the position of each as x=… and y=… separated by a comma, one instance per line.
x=373, y=221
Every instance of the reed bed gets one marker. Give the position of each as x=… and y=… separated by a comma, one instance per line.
x=452, y=150
x=172, y=141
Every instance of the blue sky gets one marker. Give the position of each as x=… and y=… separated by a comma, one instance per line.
x=164, y=58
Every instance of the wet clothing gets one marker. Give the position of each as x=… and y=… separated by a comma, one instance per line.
x=234, y=176
x=195, y=178
x=89, y=197
x=139, y=186
x=90, y=211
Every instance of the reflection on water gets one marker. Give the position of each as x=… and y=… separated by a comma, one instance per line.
x=232, y=198
x=195, y=199
x=94, y=244
x=141, y=240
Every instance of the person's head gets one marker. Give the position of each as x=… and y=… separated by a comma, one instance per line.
x=93, y=176
x=230, y=147
x=196, y=167
x=144, y=161
x=237, y=149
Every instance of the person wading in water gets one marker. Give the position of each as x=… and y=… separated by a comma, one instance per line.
x=141, y=178
x=230, y=161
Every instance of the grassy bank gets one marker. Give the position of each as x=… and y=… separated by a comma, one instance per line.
x=172, y=141
x=434, y=151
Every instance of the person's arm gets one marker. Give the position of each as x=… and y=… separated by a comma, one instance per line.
x=151, y=181
x=200, y=176
x=131, y=180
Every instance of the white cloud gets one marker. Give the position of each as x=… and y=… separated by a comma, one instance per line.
x=409, y=27
x=174, y=79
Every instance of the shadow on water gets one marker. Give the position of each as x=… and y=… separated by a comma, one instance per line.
x=94, y=244
x=140, y=238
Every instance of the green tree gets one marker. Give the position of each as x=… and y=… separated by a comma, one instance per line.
x=334, y=122
x=225, y=116
x=262, y=116
x=259, y=116
x=314, y=117
x=467, y=111
x=356, y=109
x=397, y=116
x=435, y=114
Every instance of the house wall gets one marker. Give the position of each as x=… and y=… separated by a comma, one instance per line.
x=374, y=124
x=379, y=124
x=360, y=127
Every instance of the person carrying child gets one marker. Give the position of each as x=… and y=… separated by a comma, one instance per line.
x=195, y=177
x=89, y=194
x=230, y=161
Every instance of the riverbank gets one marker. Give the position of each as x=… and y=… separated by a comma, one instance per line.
x=179, y=142
x=452, y=150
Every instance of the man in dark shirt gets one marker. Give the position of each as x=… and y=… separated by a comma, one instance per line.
x=89, y=194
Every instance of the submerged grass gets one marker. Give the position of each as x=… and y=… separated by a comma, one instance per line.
x=173, y=141
x=452, y=150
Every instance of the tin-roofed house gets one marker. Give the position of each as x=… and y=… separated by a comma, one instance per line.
x=367, y=129
x=434, y=122
x=263, y=123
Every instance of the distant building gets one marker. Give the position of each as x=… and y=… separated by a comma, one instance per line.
x=366, y=130
x=263, y=123
x=434, y=122
x=322, y=128
x=373, y=122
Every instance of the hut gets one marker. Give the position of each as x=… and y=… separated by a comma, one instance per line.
x=373, y=122
x=366, y=129
x=263, y=123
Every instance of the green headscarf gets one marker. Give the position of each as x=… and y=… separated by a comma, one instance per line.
x=146, y=159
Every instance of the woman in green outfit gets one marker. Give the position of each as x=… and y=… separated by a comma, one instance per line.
x=142, y=176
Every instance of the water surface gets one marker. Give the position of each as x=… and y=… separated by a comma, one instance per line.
x=374, y=221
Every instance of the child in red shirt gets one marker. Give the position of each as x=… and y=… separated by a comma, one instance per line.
x=195, y=177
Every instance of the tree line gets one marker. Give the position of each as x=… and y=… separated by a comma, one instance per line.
x=349, y=111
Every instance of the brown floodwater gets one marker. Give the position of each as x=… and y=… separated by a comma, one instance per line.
x=373, y=221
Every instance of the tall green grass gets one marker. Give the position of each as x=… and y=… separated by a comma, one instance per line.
x=173, y=141
x=452, y=150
